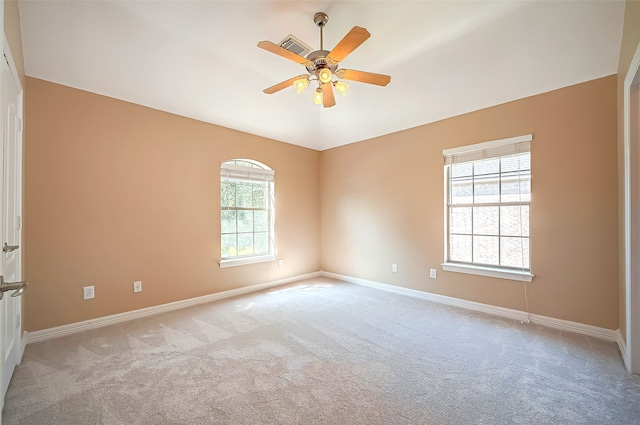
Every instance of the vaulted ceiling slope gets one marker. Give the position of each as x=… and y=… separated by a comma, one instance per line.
x=199, y=58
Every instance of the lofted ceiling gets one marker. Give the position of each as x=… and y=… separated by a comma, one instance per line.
x=199, y=58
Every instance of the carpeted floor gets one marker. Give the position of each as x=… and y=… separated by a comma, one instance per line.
x=322, y=352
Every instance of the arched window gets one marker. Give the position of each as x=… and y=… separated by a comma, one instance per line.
x=246, y=213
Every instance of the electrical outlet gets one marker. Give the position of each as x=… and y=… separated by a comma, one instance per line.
x=394, y=268
x=432, y=273
x=88, y=292
x=137, y=286
x=281, y=263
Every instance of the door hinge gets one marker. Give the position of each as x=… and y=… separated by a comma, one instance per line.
x=19, y=124
x=5, y=59
x=19, y=223
x=18, y=320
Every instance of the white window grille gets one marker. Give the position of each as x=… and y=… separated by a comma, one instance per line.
x=488, y=197
x=247, y=219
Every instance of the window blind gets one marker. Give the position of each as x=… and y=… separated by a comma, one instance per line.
x=492, y=149
x=488, y=194
x=246, y=173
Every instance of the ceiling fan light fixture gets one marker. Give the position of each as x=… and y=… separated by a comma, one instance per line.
x=317, y=97
x=324, y=75
x=341, y=87
x=322, y=64
x=301, y=84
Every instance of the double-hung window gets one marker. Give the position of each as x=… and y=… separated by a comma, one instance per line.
x=246, y=213
x=488, y=197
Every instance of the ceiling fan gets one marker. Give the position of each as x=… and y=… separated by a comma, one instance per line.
x=322, y=65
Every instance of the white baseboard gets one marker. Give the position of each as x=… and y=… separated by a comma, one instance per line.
x=575, y=327
x=550, y=322
x=622, y=346
x=45, y=334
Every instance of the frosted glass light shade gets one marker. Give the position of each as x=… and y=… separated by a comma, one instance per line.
x=317, y=97
x=324, y=75
x=341, y=87
x=300, y=84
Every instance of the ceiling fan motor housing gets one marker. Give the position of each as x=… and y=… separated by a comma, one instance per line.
x=319, y=59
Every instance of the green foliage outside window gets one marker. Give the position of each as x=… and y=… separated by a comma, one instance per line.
x=245, y=216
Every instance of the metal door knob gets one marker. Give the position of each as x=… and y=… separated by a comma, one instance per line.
x=9, y=248
x=18, y=287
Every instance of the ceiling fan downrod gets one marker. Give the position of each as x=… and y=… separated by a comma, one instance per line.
x=321, y=20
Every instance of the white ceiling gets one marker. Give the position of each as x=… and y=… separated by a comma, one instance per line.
x=199, y=58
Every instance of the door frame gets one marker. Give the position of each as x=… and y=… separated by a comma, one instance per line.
x=631, y=242
x=6, y=51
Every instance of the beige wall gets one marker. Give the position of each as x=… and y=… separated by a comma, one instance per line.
x=630, y=40
x=382, y=203
x=116, y=192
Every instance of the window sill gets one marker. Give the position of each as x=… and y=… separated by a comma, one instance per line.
x=522, y=276
x=246, y=260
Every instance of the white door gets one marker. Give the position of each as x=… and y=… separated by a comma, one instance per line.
x=11, y=183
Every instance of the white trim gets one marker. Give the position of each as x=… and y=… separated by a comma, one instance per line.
x=445, y=213
x=575, y=327
x=232, y=262
x=2, y=88
x=263, y=175
x=23, y=346
x=565, y=325
x=72, y=328
x=623, y=349
x=549, y=322
x=472, y=153
x=632, y=289
x=12, y=66
x=6, y=51
x=522, y=276
x=488, y=145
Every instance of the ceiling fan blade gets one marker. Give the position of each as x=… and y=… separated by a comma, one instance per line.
x=363, y=77
x=283, y=85
x=328, y=99
x=274, y=48
x=349, y=43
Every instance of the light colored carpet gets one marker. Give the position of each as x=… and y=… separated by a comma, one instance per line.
x=322, y=352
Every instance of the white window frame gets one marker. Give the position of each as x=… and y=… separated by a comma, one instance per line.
x=491, y=149
x=257, y=172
